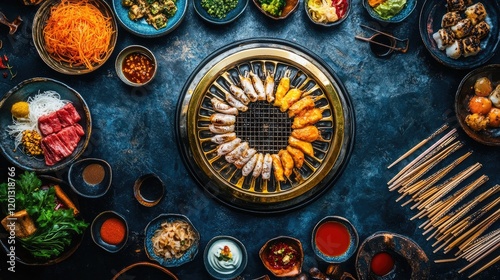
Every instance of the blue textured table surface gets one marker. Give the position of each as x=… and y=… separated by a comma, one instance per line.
x=397, y=101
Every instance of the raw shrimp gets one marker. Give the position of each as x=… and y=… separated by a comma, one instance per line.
x=221, y=128
x=228, y=146
x=222, y=107
x=258, y=86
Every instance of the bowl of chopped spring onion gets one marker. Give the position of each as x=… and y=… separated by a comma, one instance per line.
x=220, y=11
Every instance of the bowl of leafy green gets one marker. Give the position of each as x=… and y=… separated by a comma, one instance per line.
x=277, y=9
x=40, y=213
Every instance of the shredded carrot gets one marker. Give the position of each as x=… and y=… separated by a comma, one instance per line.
x=77, y=33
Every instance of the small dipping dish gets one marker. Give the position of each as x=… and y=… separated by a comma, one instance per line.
x=149, y=189
x=90, y=177
x=379, y=42
x=334, y=239
x=288, y=262
x=109, y=231
x=225, y=257
x=136, y=65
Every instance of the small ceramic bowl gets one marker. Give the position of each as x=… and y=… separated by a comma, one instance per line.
x=270, y=245
x=149, y=189
x=399, y=17
x=111, y=241
x=130, y=51
x=155, y=225
x=290, y=7
x=334, y=239
x=346, y=12
x=230, y=16
x=491, y=135
x=90, y=177
x=224, y=269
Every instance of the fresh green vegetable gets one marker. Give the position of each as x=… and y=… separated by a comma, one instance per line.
x=219, y=8
x=55, y=227
x=273, y=7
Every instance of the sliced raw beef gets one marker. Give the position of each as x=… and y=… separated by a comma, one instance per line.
x=50, y=157
x=79, y=129
x=58, y=146
x=71, y=110
x=49, y=124
x=64, y=118
x=69, y=136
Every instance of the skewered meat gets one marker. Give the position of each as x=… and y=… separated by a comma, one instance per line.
x=297, y=155
x=269, y=86
x=476, y=13
x=246, y=84
x=250, y=165
x=247, y=155
x=235, y=154
x=222, y=107
x=307, y=117
x=304, y=103
x=267, y=166
x=278, y=168
x=235, y=102
x=470, y=46
x=444, y=37
x=259, y=165
x=450, y=19
x=462, y=28
x=455, y=5
x=227, y=147
x=290, y=98
x=454, y=50
x=480, y=30
x=221, y=128
x=222, y=119
x=258, y=86
x=223, y=138
x=286, y=162
x=309, y=133
x=283, y=87
x=239, y=94
x=304, y=146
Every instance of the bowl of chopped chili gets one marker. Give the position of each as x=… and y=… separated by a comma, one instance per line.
x=283, y=256
x=136, y=65
x=109, y=231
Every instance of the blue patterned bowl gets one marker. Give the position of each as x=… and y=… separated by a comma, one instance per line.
x=399, y=17
x=353, y=240
x=230, y=17
x=154, y=225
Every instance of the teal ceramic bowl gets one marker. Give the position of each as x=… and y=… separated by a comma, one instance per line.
x=95, y=231
x=156, y=224
x=399, y=17
x=143, y=29
x=334, y=237
x=230, y=17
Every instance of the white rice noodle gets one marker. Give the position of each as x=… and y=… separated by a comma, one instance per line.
x=41, y=104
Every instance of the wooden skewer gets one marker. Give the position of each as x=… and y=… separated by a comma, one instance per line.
x=490, y=263
x=480, y=258
x=420, y=144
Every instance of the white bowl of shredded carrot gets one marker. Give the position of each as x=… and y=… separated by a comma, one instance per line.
x=75, y=36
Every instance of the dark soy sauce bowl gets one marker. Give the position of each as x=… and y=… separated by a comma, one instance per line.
x=149, y=189
x=379, y=50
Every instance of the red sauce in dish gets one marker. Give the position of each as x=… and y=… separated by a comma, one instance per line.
x=332, y=239
x=382, y=263
x=282, y=256
x=138, y=68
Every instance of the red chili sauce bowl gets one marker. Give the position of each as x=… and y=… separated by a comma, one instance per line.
x=283, y=256
x=109, y=231
x=334, y=239
x=136, y=65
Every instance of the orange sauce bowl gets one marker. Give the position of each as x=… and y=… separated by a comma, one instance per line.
x=334, y=239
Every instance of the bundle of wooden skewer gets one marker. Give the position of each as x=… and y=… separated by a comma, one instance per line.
x=444, y=204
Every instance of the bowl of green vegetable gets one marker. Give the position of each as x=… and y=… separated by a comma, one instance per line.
x=47, y=228
x=277, y=9
x=212, y=12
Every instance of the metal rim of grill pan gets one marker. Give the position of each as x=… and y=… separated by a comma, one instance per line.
x=222, y=180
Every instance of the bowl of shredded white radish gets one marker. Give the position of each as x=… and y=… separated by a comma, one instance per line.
x=53, y=134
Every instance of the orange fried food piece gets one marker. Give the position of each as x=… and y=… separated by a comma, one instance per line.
x=278, y=168
x=304, y=146
x=290, y=98
x=479, y=105
x=494, y=117
x=297, y=155
x=286, y=162
x=307, y=117
x=304, y=103
x=309, y=133
x=483, y=87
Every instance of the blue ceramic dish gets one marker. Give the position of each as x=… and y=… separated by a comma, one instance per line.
x=155, y=224
x=95, y=231
x=402, y=15
x=229, y=241
x=30, y=88
x=230, y=17
x=430, y=22
x=353, y=240
x=327, y=24
x=78, y=183
x=141, y=28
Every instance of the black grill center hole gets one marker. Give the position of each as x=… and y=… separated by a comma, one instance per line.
x=264, y=127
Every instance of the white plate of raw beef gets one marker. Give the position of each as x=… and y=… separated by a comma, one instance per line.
x=55, y=113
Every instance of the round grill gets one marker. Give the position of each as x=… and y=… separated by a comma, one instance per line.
x=264, y=127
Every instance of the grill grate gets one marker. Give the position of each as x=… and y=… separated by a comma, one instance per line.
x=264, y=126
